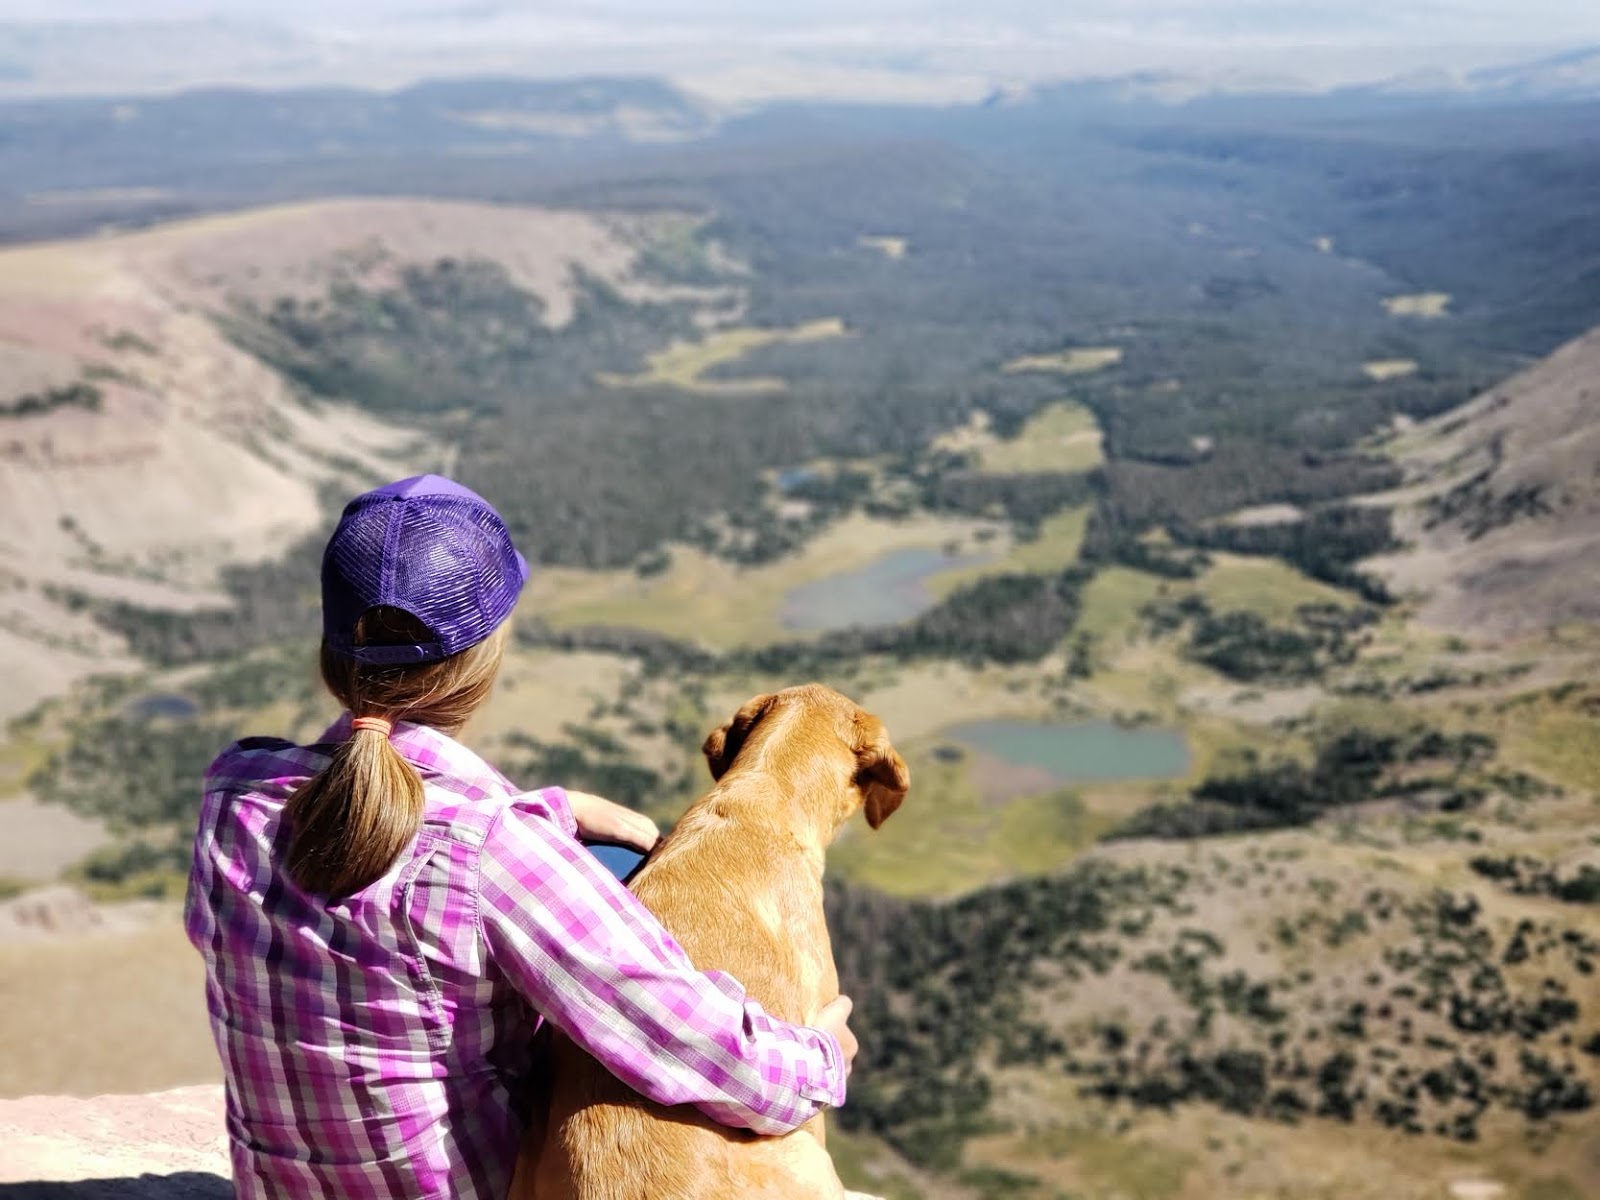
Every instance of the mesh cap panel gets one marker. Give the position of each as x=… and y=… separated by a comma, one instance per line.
x=428, y=546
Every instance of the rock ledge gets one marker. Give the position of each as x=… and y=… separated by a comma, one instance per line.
x=165, y=1146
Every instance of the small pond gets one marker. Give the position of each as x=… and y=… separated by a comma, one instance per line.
x=1082, y=751
x=164, y=705
x=885, y=592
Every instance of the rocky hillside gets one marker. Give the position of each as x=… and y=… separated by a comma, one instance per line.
x=143, y=451
x=1502, y=510
x=1264, y=985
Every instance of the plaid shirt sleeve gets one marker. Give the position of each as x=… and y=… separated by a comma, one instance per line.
x=590, y=958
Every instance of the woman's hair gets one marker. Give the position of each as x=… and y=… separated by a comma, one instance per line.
x=348, y=824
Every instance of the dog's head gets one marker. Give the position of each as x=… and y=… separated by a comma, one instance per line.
x=818, y=720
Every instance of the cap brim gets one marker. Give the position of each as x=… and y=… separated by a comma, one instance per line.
x=522, y=565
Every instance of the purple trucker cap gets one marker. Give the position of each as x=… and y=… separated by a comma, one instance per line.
x=430, y=547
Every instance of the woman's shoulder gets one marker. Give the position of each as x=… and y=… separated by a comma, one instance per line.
x=489, y=819
x=257, y=759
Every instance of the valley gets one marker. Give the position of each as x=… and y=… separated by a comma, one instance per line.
x=1235, y=613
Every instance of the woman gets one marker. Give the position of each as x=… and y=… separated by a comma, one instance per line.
x=385, y=918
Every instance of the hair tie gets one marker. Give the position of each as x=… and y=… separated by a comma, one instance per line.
x=377, y=724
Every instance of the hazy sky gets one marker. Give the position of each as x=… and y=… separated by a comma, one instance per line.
x=755, y=46
x=1429, y=20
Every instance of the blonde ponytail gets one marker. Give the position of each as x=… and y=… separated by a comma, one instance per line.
x=351, y=822
x=348, y=824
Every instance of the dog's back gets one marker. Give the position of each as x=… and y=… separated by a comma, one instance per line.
x=739, y=885
x=606, y=1142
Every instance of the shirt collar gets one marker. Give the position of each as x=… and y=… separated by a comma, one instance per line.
x=436, y=756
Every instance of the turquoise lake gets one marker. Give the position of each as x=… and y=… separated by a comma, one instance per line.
x=885, y=592
x=1080, y=752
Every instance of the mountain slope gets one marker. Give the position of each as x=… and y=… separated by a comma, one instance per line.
x=142, y=451
x=1503, y=507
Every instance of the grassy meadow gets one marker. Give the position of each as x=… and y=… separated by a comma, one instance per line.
x=684, y=364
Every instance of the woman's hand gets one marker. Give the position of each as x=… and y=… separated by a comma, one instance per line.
x=835, y=1019
x=600, y=820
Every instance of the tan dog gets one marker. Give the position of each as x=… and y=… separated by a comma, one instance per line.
x=739, y=884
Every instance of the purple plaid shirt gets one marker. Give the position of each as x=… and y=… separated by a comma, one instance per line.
x=377, y=1046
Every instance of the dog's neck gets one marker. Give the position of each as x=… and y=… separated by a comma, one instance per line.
x=790, y=788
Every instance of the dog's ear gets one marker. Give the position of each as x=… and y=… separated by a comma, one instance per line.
x=722, y=746
x=881, y=774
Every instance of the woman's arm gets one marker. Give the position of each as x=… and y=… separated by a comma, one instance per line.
x=597, y=964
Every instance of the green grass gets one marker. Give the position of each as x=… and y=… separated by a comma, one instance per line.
x=1137, y=1170
x=1549, y=1189
x=864, y=1165
x=683, y=364
x=1112, y=601
x=676, y=248
x=25, y=749
x=1267, y=587
x=1429, y=306
x=1557, y=741
x=935, y=844
x=948, y=839
x=717, y=603
x=1080, y=360
x=21, y=754
x=889, y=247
x=1061, y=437
x=1381, y=370
x=1058, y=545
x=1056, y=548
x=146, y=885
x=1040, y=833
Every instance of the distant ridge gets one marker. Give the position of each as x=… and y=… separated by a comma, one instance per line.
x=1571, y=76
x=1568, y=77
